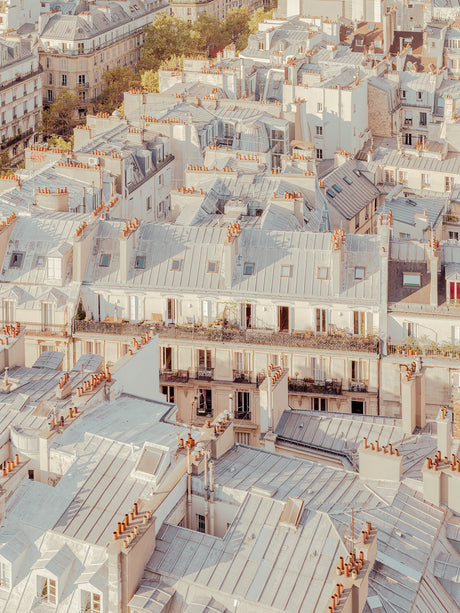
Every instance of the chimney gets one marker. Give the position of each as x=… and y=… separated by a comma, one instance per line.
x=337, y=259
x=379, y=462
x=448, y=108
x=340, y=157
x=127, y=246
x=230, y=252
x=413, y=411
x=444, y=431
x=434, y=268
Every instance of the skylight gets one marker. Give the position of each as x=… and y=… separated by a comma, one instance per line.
x=337, y=188
x=16, y=259
x=322, y=272
x=105, y=260
x=330, y=193
x=286, y=270
x=140, y=261
x=347, y=180
x=213, y=267
x=248, y=268
x=176, y=265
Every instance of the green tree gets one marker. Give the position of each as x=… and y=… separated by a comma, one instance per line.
x=235, y=28
x=81, y=313
x=55, y=141
x=165, y=37
x=5, y=164
x=207, y=33
x=61, y=117
x=259, y=16
x=116, y=81
x=150, y=81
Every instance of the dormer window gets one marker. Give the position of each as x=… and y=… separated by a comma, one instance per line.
x=16, y=259
x=5, y=575
x=46, y=590
x=55, y=269
x=140, y=261
x=90, y=602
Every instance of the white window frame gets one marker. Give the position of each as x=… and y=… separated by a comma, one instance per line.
x=95, y=601
x=47, y=589
x=54, y=269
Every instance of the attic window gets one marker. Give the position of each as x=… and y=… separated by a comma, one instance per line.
x=348, y=181
x=322, y=272
x=286, y=270
x=176, y=265
x=16, y=259
x=248, y=268
x=140, y=261
x=411, y=279
x=105, y=260
x=337, y=188
x=90, y=601
x=360, y=272
x=213, y=267
x=330, y=193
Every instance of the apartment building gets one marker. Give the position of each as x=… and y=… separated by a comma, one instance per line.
x=190, y=10
x=16, y=15
x=76, y=49
x=20, y=97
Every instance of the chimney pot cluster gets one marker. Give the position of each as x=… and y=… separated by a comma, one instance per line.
x=377, y=448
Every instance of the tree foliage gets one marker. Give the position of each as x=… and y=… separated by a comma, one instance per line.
x=116, y=81
x=58, y=142
x=61, y=116
x=165, y=37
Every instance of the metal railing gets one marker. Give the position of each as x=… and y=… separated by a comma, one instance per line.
x=311, y=386
x=202, y=374
x=246, y=415
x=174, y=376
x=242, y=376
x=336, y=341
x=357, y=386
x=433, y=350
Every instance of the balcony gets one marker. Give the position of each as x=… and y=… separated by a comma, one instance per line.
x=357, y=386
x=246, y=415
x=38, y=329
x=173, y=376
x=413, y=347
x=202, y=374
x=329, y=387
x=241, y=376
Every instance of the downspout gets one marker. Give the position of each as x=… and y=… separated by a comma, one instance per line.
x=211, y=496
x=189, y=489
x=206, y=491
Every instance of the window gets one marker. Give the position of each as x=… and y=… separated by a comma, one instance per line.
x=81, y=79
x=140, y=261
x=322, y=272
x=16, y=259
x=402, y=177
x=46, y=589
x=321, y=320
x=171, y=311
x=360, y=272
x=319, y=404
x=55, y=269
x=319, y=107
x=201, y=523
x=411, y=279
x=213, y=267
x=389, y=176
x=9, y=311
x=105, y=260
x=330, y=193
x=90, y=602
x=5, y=575
x=359, y=323
x=244, y=438
x=453, y=236
x=176, y=265
x=357, y=221
x=404, y=235
x=248, y=268
x=411, y=329
x=319, y=154
x=207, y=309
x=426, y=181
x=319, y=130
x=261, y=46
x=50, y=95
x=450, y=182
x=149, y=203
x=204, y=359
x=168, y=391
x=423, y=119
x=403, y=94
x=243, y=405
x=419, y=95
x=204, y=406
x=286, y=270
x=50, y=78
x=47, y=315
x=337, y=188
x=348, y=181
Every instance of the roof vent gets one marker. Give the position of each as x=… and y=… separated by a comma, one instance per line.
x=292, y=512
